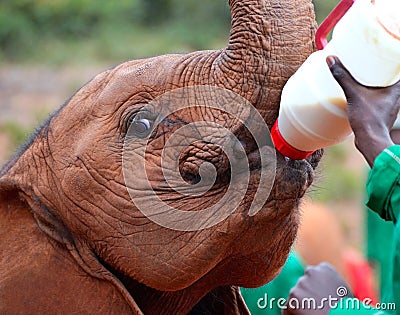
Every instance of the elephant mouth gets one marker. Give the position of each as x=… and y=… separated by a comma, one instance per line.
x=294, y=177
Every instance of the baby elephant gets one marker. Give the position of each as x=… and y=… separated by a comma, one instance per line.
x=155, y=188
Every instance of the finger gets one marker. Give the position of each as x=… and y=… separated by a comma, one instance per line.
x=310, y=270
x=342, y=76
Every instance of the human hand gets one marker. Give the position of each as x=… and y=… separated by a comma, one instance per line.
x=322, y=284
x=371, y=111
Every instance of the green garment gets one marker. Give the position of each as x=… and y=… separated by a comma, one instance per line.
x=269, y=298
x=378, y=247
x=383, y=188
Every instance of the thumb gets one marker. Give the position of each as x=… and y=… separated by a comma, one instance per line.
x=342, y=76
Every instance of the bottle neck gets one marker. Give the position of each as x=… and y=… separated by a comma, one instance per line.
x=283, y=147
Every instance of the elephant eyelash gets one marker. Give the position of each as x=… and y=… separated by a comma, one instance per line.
x=129, y=121
x=126, y=121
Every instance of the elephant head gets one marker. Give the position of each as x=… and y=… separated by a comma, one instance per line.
x=91, y=173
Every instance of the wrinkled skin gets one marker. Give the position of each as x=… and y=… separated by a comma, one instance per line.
x=72, y=240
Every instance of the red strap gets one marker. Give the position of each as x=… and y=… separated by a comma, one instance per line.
x=329, y=23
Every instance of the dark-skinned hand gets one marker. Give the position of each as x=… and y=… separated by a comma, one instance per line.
x=371, y=111
x=321, y=283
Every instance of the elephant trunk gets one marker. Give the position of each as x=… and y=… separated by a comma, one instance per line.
x=269, y=40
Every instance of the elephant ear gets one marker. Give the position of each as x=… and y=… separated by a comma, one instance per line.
x=222, y=300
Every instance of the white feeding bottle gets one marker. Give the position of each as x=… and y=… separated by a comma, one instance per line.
x=313, y=113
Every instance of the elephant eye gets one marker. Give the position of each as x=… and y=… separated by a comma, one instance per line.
x=139, y=126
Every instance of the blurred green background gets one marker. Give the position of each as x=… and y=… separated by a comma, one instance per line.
x=77, y=34
x=81, y=31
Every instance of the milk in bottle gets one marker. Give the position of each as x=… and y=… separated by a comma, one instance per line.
x=313, y=105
